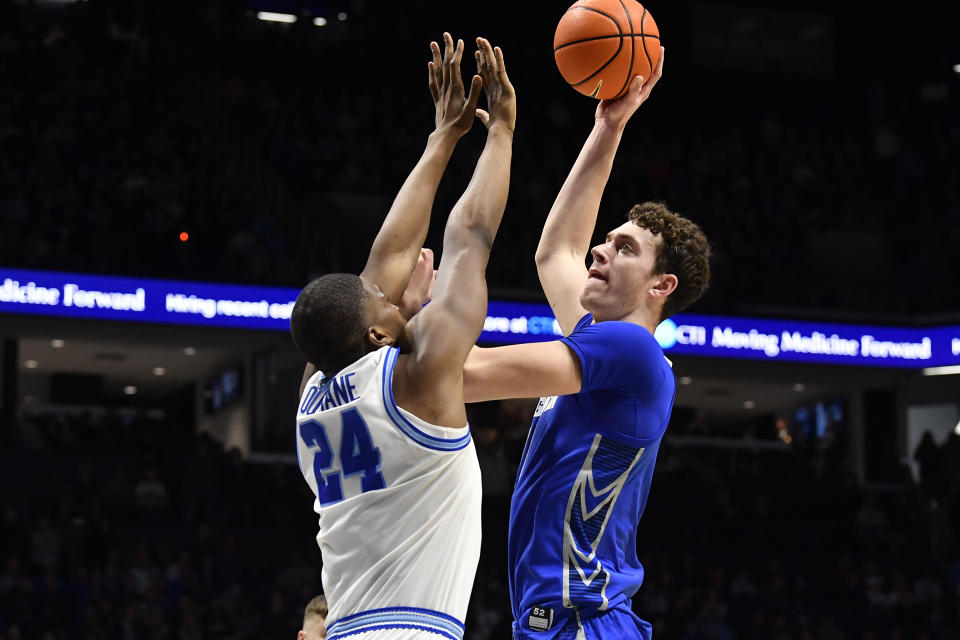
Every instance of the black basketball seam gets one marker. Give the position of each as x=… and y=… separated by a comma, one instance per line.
x=615, y=53
x=633, y=48
x=643, y=40
x=612, y=35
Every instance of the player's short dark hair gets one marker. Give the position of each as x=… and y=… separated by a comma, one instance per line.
x=684, y=251
x=316, y=607
x=328, y=322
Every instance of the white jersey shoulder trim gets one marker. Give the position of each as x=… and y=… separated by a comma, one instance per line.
x=423, y=433
x=420, y=431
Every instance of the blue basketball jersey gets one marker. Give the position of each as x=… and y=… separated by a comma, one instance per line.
x=584, y=478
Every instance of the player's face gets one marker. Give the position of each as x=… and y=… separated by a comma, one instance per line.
x=385, y=315
x=621, y=272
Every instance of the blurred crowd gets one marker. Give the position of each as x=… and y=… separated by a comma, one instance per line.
x=277, y=147
x=155, y=536
x=147, y=531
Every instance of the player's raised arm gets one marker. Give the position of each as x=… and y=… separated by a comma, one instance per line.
x=430, y=378
x=396, y=249
x=566, y=235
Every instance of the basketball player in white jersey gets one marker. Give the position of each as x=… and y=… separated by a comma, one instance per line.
x=382, y=434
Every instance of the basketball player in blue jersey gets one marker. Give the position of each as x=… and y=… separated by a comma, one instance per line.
x=606, y=395
x=382, y=434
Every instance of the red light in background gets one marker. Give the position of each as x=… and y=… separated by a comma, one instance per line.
x=184, y=236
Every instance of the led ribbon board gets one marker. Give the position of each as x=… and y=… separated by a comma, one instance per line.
x=756, y=339
x=97, y=297
x=214, y=305
x=803, y=341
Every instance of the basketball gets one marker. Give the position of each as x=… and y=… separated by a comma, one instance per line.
x=600, y=45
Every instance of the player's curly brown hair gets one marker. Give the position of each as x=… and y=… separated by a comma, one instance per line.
x=684, y=251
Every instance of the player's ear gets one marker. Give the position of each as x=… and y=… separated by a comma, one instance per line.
x=664, y=286
x=379, y=337
x=301, y=635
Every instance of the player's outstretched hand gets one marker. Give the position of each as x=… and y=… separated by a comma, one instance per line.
x=420, y=286
x=501, y=98
x=455, y=113
x=617, y=112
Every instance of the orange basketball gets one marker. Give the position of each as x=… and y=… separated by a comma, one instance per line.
x=600, y=45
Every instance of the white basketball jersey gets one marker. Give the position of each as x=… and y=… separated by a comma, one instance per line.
x=399, y=506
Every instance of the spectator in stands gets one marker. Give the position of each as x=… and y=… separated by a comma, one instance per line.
x=140, y=120
x=45, y=544
x=150, y=494
x=96, y=176
x=927, y=455
x=871, y=523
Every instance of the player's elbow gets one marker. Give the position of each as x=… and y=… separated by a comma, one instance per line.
x=483, y=238
x=549, y=253
x=547, y=263
x=481, y=234
x=471, y=236
x=543, y=254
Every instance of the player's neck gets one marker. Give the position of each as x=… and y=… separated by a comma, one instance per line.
x=346, y=361
x=649, y=319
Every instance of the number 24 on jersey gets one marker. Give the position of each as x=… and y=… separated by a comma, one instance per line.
x=357, y=455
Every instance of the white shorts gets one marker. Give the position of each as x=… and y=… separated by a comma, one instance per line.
x=397, y=623
x=397, y=634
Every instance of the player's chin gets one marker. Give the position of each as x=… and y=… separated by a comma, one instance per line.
x=590, y=297
x=599, y=300
x=594, y=287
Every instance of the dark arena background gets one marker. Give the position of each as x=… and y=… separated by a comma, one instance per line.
x=172, y=172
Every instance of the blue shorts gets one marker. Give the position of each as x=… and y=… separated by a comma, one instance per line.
x=619, y=623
